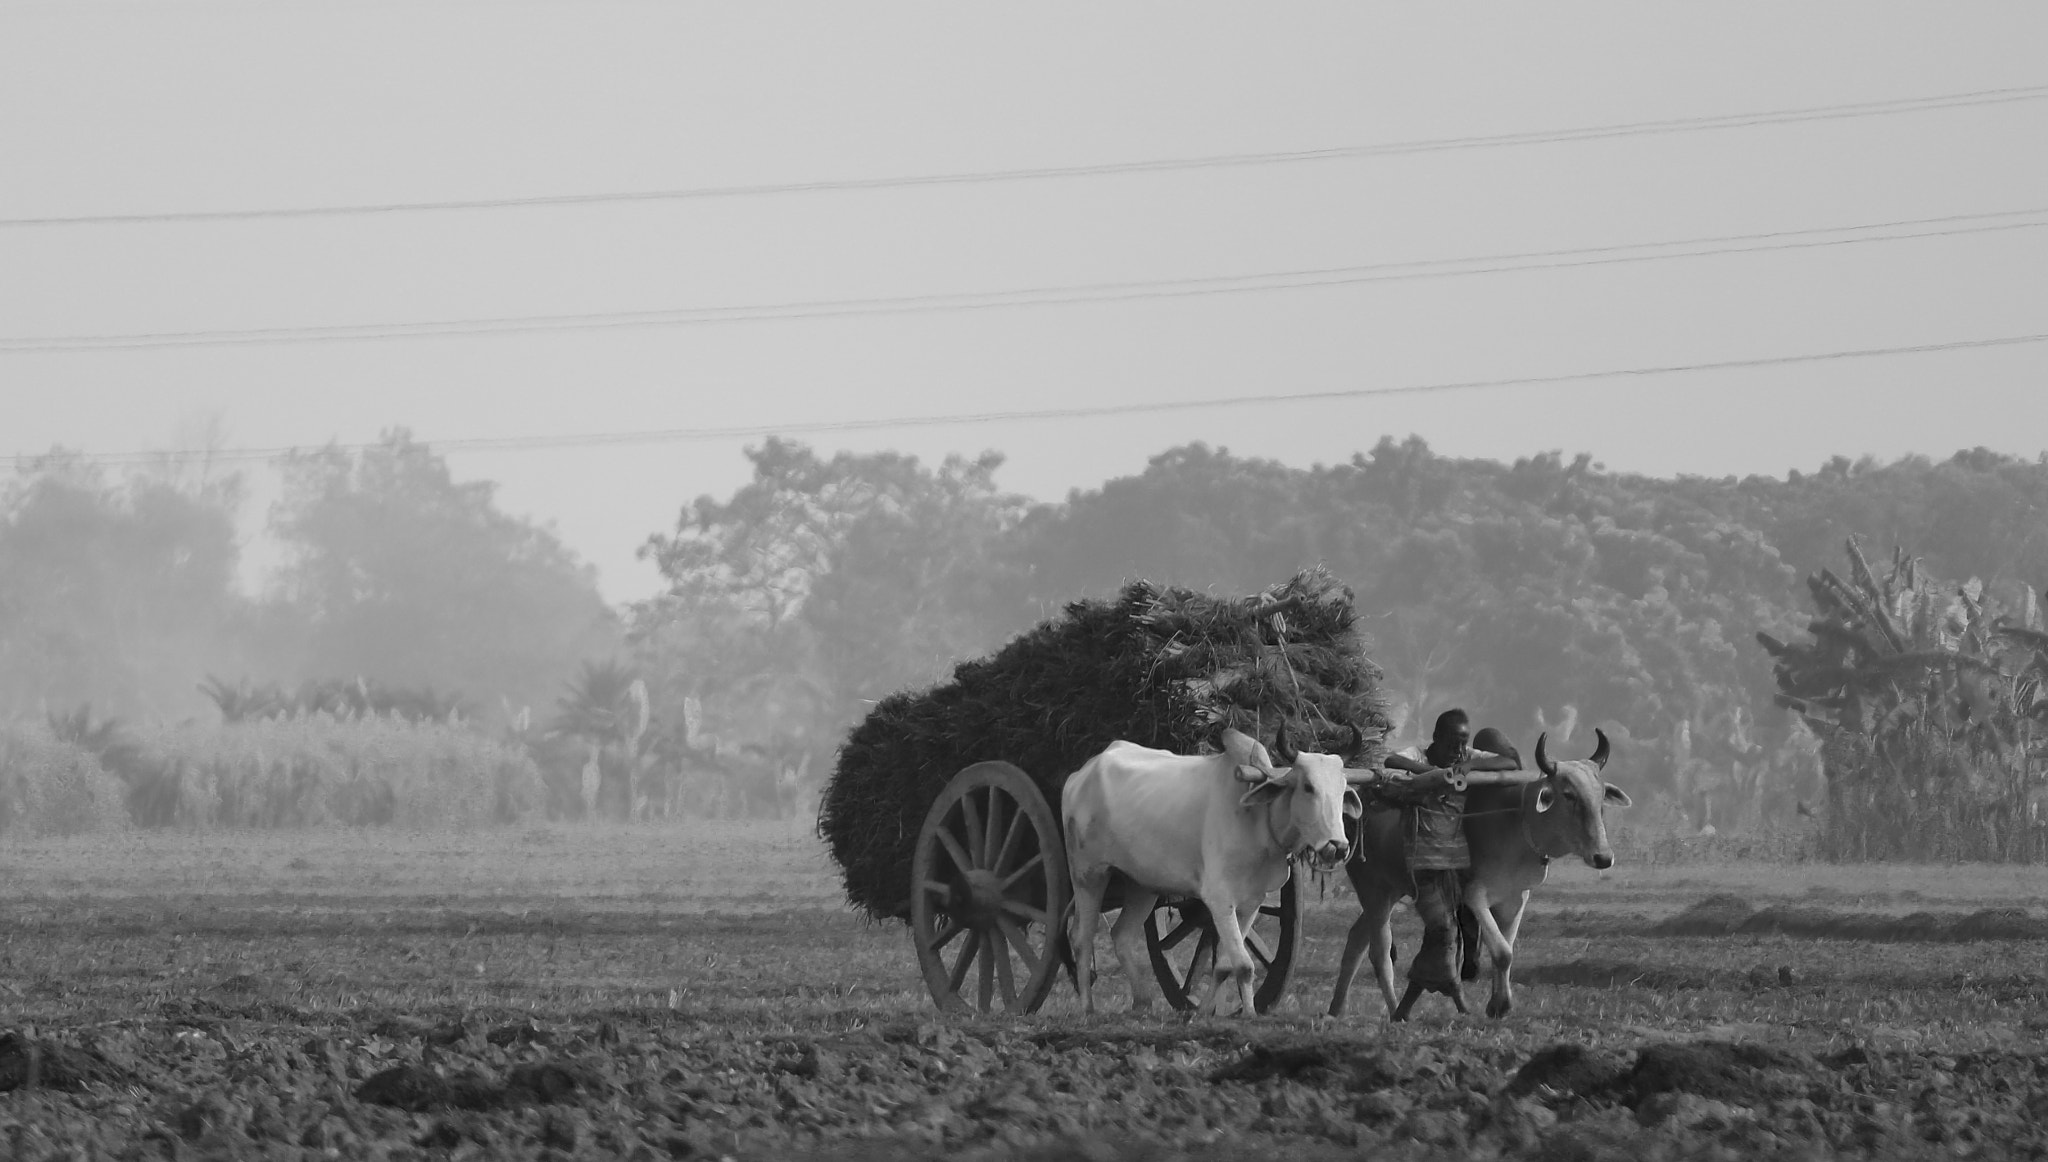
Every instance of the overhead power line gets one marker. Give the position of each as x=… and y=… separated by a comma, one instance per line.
x=1154, y=165
x=812, y=427
x=1055, y=295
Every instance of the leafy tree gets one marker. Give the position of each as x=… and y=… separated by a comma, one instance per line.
x=821, y=583
x=403, y=576
x=114, y=593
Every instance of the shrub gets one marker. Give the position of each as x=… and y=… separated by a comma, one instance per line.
x=1921, y=793
x=314, y=770
x=51, y=787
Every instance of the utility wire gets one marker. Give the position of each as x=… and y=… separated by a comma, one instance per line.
x=1156, y=165
x=690, y=435
x=1948, y=225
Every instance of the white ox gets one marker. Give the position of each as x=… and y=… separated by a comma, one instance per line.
x=1220, y=828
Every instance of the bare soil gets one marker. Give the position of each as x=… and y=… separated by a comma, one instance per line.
x=702, y=991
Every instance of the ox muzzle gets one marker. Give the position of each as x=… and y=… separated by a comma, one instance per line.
x=1329, y=856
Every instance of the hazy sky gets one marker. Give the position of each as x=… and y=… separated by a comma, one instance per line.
x=170, y=107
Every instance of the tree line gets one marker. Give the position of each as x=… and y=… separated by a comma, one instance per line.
x=1545, y=594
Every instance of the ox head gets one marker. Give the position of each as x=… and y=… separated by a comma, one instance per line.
x=1566, y=810
x=1307, y=795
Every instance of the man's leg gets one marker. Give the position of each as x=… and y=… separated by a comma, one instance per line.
x=1437, y=854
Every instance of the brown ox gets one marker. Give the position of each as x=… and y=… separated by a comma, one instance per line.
x=1514, y=832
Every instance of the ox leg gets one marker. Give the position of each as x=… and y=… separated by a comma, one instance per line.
x=1234, y=967
x=1500, y=944
x=1088, y=889
x=1372, y=933
x=1507, y=916
x=1248, y=975
x=1129, y=937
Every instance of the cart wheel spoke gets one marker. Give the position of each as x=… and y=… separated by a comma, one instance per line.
x=966, y=960
x=971, y=816
x=1025, y=911
x=944, y=936
x=954, y=851
x=939, y=888
x=1028, y=865
x=1004, y=975
x=1009, y=845
x=1185, y=929
x=988, y=838
x=1020, y=942
x=990, y=952
x=1204, y=962
x=1273, y=910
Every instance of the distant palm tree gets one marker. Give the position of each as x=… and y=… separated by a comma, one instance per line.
x=606, y=708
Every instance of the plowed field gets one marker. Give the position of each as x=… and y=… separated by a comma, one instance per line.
x=701, y=991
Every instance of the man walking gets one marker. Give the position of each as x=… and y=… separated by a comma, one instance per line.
x=1433, y=825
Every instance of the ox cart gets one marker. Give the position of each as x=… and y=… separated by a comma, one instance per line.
x=990, y=891
x=943, y=809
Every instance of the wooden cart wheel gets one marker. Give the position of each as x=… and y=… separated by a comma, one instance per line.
x=988, y=892
x=1182, y=943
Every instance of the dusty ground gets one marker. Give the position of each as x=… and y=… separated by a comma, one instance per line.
x=700, y=992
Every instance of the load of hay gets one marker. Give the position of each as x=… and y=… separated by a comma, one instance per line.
x=1161, y=666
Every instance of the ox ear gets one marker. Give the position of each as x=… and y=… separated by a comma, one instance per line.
x=1545, y=797
x=1354, y=804
x=1265, y=792
x=1615, y=795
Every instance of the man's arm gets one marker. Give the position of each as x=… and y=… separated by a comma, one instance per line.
x=1402, y=762
x=1491, y=762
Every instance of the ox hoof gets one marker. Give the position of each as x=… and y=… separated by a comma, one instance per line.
x=1498, y=1007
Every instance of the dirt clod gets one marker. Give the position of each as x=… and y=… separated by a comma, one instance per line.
x=419, y=1089
x=29, y=1062
x=522, y=1033
x=1740, y=1074
x=1321, y=1065
x=1717, y=915
x=546, y=1082
x=1725, y=915
x=1560, y=1072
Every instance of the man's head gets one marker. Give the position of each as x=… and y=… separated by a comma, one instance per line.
x=1452, y=737
x=1493, y=741
x=1453, y=726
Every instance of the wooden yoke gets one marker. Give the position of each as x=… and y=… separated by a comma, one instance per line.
x=1440, y=779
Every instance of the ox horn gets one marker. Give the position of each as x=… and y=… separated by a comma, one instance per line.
x=1599, y=758
x=1543, y=762
x=1357, y=746
x=1283, y=750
